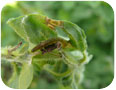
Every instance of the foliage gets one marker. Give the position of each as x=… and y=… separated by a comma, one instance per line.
x=96, y=18
x=71, y=55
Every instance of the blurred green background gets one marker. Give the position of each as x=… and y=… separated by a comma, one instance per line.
x=96, y=18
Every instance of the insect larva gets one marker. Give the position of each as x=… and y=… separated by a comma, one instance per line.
x=50, y=45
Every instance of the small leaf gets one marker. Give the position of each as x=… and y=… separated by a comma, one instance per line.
x=16, y=24
x=32, y=28
x=26, y=76
x=13, y=83
x=14, y=80
x=74, y=56
x=76, y=35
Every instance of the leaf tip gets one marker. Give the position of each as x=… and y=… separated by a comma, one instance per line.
x=11, y=19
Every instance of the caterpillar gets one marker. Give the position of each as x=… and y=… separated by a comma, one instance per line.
x=49, y=45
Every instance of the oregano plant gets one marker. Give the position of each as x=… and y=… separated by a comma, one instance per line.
x=59, y=47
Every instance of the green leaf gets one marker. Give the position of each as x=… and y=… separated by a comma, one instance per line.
x=74, y=56
x=26, y=76
x=62, y=34
x=23, y=80
x=76, y=35
x=13, y=83
x=36, y=28
x=16, y=24
x=14, y=80
x=32, y=28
